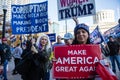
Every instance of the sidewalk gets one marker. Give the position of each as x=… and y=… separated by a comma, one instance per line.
x=16, y=77
x=9, y=73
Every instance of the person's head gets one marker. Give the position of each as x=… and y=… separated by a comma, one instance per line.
x=81, y=33
x=43, y=41
x=68, y=38
x=119, y=21
x=33, y=40
x=18, y=44
x=28, y=44
x=59, y=39
x=111, y=38
x=4, y=40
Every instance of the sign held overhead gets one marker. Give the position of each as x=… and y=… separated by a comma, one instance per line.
x=75, y=8
x=30, y=18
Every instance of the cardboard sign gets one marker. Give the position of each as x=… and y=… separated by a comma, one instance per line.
x=75, y=8
x=76, y=61
x=52, y=37
x=30, y=18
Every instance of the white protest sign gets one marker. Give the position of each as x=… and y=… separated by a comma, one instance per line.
x=75, y=8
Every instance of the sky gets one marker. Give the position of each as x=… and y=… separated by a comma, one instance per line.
x=100, y=5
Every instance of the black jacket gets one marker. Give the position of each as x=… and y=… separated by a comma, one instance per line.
x=113, y=47
x=5, y=52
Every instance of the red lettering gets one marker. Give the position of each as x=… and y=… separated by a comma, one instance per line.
x=63, y=3
x=66, y=3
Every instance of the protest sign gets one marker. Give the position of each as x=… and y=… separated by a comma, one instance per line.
x=114, y=31
x=30, y=18
x=52, y=37
x=96, y=36
x=76, y=61
x=75, y=8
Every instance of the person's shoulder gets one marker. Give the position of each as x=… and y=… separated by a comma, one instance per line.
x=25, y=50
x=19, y=47
x=108, y=42
x=59, y=44
x=0, y=45
x=55, y=44
x=116, y=42
x=6, y=45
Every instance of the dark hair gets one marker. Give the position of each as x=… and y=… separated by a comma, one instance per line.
x=119, y=21
x=28, y=44
x=110, y=37
x=81, y=26
x=18, y=44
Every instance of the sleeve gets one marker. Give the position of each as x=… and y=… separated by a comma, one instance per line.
x=44, y=55
x=23, y=53
x=8, y=51
x=1, y=49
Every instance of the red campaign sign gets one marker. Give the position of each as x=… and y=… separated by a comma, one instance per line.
x=76, y=61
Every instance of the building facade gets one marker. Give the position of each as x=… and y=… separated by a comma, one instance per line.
x=105, y=19
x=8, y=4
x=53, y=27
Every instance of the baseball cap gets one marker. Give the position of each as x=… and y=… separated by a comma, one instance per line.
x=68, y=36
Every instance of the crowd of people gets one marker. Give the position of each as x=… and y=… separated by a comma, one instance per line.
x=34, y=62
x=5, y=55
